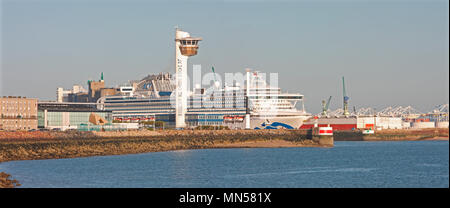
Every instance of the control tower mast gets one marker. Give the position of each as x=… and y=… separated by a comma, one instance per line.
x=185, y=46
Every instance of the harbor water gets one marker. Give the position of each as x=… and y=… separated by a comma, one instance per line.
x=348, y=164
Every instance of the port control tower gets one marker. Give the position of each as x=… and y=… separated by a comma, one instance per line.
x=185, y=46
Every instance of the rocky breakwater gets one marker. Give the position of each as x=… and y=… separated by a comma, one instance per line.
x=7, y=182
x=407, y=134
x=54, y=145
x=394, y=135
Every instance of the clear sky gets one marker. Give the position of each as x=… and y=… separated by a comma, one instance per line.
x=390, y=52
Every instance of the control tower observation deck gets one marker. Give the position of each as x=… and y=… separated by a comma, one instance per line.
x=185, y=46
x=188, y=45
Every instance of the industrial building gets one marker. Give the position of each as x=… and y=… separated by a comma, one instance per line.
x=429, y=121
x=96, y=89
x=367, y=118
x=18, y=113
x=71, y=95
x=351, y=123
x=63, y=116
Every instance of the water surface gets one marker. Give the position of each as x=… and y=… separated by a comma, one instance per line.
x=348, y=164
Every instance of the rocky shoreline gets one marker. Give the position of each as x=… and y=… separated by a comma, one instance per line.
x=84, y=144
x=7, y=182
x=394, y=135
x=57, y=145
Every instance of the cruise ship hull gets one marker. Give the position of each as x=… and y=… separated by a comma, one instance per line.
x=278, y=122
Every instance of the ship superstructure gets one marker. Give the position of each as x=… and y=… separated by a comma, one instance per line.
x=163, y=97
x=152, y=98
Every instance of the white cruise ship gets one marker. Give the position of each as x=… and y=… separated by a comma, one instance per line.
x=152, y=98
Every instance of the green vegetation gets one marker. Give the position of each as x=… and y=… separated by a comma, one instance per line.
x=212, y=128
x=157, y=124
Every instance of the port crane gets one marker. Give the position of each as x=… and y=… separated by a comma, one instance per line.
x=346, y=98
x=216, y=83
x=325, y=106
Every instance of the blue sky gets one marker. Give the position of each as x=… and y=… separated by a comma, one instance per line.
x=390, y=52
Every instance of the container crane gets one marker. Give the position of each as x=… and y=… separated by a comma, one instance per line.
x=325, y=106
x=216, y=83
x=346, y=98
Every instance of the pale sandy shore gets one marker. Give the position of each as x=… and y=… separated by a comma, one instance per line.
x=437, y=139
